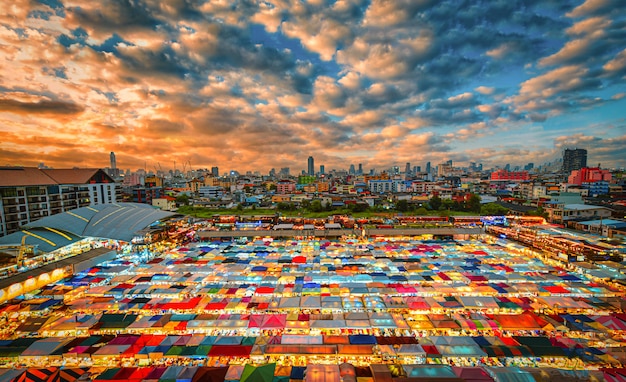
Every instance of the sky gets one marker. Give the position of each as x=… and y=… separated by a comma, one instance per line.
x=251, y=85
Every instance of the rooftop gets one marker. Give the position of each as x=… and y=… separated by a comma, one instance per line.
x=33, y=176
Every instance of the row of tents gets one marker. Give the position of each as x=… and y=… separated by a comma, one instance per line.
x=100, y=349
x=311, y=373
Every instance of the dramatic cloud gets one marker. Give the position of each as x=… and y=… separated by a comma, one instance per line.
x=250, y=85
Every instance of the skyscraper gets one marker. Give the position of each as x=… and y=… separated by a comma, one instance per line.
x=311, y=166
x=407, y=169
x=428, y=167
x=215, y=171
x=574, y=159
x=360, y=169
x=352, y=170
x=322, y=170
x=113, y=172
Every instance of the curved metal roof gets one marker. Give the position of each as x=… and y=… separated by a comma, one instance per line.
x=124, y=220
x=46, y=239
x=119, y=221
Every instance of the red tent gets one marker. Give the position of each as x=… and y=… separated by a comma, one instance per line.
x=556, y=289
x=472, y=374
x=230, y=351
x=274, y=321
x=264, y=290
x=255, y=320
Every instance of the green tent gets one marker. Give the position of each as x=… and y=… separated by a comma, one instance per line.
x=263, y=373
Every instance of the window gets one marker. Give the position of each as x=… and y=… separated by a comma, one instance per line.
x=8, y=192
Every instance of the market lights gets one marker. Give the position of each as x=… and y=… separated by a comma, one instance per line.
x=292, y=302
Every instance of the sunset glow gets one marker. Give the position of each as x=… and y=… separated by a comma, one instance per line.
x=248, y=85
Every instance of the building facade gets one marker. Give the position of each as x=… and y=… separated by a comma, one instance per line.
x=588, y=175
x=285, y=186
x=504, y=175
x=28, y=194
x=384, y=186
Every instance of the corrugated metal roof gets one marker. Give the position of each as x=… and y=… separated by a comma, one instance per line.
x=119, y=221
x=46, y=239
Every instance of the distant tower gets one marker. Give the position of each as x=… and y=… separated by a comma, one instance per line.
x=311, y=166
x=360, y=169
x=215, y=171
x=322, y=169
x=352, y=170
x=428, y=167
x=113, y=172
x=574, y=159
x=407, y=170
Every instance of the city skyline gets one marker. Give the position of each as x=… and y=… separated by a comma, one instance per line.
x=248, y=86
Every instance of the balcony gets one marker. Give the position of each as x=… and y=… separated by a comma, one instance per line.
x=10, y=210
x=38, y=206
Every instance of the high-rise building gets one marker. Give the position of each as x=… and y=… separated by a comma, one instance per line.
x=113, y=161
x=428, y=167
x=360, y=169
x=352, y=170
x=407, y=169
x=311, y=166
x=322, y=169
x=574, y=159
x=215, y=171
x=444, y=169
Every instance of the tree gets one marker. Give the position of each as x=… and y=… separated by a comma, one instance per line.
x=316, y=206
x=282, y=206
x=539, y=212
x=490, y=209
x=305, y=204
x=447, y=204
x=421, y=211
x=473, y=204
x=182, y=199
x=328, y=206
x=402, y=205
x=358, y=207
x=435, y=202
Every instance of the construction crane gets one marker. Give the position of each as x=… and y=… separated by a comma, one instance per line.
x=23, y=250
